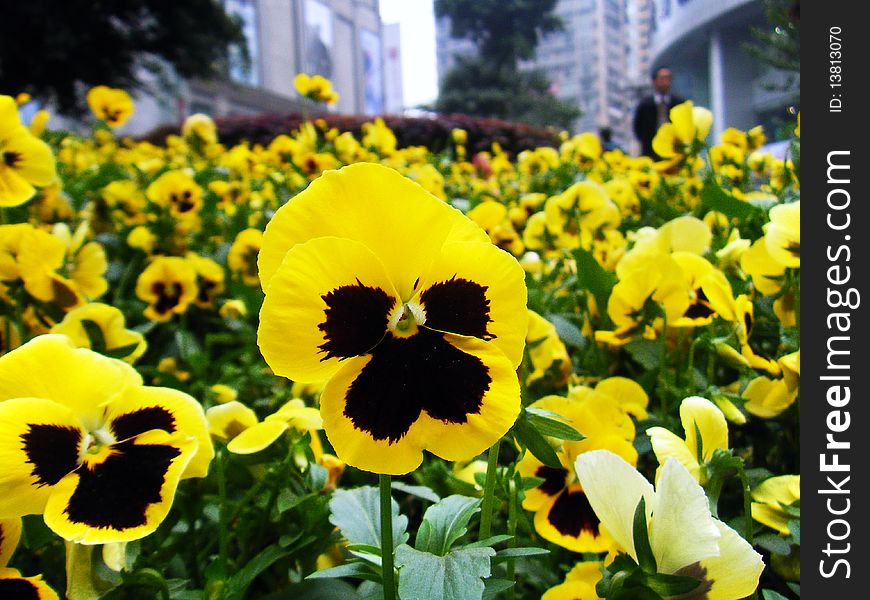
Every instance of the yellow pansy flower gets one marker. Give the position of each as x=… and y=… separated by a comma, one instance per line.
x=168, y=285
x=90, y=447
x=201, y=126
x=689, y=124
x=404, y=305
x=242, y=257
x=698, y=415
x=782, y=235
x=177, y=191
x=25, y=160
x=112, y=327
x=114, y=106
x=769, y=498
x=562, y=512
x=683, y=535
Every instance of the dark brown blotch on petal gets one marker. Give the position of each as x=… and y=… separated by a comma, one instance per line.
x=144, y=419
x=356, y=320
x=554, y=479
x=408, y=375
x=116, y=493
x=457, y=306
x=18, y=589
x=700, y=573
x=572, y=514
x=53, y=450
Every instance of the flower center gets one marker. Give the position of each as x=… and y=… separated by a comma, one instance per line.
x=96, y=446
x=406, y=318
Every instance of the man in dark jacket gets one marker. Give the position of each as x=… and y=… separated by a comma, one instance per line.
x=653, y=111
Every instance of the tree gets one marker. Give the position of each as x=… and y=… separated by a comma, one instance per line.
x=54, y=48
x=491, y=84
x=504, y=31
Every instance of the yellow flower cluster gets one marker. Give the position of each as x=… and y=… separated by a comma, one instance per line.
x=647, y=305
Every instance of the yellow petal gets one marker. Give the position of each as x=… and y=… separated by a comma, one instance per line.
x=568, y=520
x=398, y=220
x=700, y=413
x=682, y=530
x=329, y=301
x=257, y=437
x=36, y=588
x=477, y=289
x=40, y=443
x=667, y=444
x=140, y=409
x=226, y=421
x=10, y=532
x=78, y=378
x=628, y=393
x=614, y=489
x=737, y=568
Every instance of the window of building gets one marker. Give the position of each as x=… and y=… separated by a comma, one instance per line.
x=246, y=11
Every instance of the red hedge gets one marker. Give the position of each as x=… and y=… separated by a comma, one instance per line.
x=434, y=132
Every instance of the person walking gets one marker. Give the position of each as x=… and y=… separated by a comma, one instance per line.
x=653, y=111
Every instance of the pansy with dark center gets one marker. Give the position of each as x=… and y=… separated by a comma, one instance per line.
x=91, y=448
x=405, y=306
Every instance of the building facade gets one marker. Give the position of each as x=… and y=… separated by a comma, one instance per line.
x=339, y=39
x=703, y=42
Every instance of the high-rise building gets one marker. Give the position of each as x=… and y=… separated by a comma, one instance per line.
x=340, y=39
x=587, y=62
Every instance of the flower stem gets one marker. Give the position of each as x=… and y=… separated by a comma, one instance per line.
x=387, y=538
x=79, y=578
x=223, y=539
x=489, y=492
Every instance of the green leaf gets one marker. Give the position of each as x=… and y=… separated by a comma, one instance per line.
x=532, y=439
x=773, y=543
x=95, y=335
x=455, y=576
x=541, y=421
x=493, y=587
x=647, y=353
x=323, y=589
x=187, y=344
x=359, y=570
x=567, y=331
x=519, y=552
x=593, y=277
x=771, y=595
x=794, y=527
x=444, y=523
x=490, y=541
x=715, y=198
x=357, y=513
x=121, y=351
x=640, y=533
x=671, y=585
x=238, y=584
x=421, y=491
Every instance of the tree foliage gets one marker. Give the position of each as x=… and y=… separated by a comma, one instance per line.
x=779, y=45
x=52, y=49
x=490, y=84
x=474, y=87
x=504, y=31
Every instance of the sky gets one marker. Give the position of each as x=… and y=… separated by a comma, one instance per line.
x=417, y=24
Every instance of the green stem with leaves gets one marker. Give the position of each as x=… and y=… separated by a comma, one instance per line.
x=387, y=537
x=489, y=492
